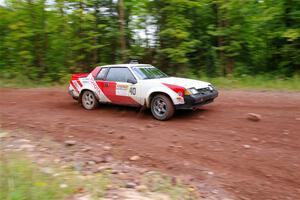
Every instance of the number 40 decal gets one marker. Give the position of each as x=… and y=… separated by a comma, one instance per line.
x=132, y=91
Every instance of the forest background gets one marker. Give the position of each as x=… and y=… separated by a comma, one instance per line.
x=232, y=43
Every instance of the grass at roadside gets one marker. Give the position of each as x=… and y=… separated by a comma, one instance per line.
x=27, y=83
x=22, y=179
x=257, y=82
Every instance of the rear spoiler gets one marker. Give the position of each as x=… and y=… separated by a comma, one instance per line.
x=77, y=76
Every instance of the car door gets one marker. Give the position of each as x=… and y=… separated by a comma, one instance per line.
x=117, y=88
x=100, y=80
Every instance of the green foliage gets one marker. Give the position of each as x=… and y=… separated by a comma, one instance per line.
x=41, y=40
x=260, y=82
x=22, y=179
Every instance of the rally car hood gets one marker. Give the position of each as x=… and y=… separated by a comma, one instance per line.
x=184, y=82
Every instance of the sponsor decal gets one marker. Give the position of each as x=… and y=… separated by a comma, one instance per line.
x=95, y=86
x=122, y=90
x=74, y=86
x=77, y=85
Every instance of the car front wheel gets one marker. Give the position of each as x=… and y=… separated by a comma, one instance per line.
x=162, y=107
x=88, y=100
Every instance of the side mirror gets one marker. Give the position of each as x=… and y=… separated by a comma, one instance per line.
x=130, y=80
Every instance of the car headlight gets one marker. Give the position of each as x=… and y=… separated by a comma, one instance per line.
x=194, y=91
x=190, y=91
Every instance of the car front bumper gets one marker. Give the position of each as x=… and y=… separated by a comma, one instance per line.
x=193, y=101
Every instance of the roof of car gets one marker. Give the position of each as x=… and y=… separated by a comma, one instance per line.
x=127, y=65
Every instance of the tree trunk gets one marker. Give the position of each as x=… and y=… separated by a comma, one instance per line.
x=38, y=39
x=96, y=38
x=122, y=29
x=226, y=63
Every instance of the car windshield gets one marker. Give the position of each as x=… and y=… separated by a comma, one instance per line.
x=148, y=73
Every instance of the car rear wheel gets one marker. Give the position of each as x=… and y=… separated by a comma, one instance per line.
x=88, y=100
x=162, y=107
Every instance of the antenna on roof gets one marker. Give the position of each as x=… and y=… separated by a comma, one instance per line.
x=134, y=62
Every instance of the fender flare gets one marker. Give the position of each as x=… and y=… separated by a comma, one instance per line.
x=86, y=89
x=164, y=91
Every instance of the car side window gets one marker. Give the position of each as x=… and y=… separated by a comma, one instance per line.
x=119, y=74
x=101, y=75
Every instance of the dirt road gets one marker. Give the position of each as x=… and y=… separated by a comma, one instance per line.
x=217, y=144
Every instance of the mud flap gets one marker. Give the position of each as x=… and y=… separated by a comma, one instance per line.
x=142, y=109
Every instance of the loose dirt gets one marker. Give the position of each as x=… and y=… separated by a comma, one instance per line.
x=216, y=144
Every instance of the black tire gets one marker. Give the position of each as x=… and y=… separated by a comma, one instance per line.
x=162, y=107
x=89, y=100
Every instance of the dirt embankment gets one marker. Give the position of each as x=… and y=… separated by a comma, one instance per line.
x=216, y=144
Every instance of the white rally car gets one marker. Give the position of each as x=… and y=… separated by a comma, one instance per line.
x=140, y=85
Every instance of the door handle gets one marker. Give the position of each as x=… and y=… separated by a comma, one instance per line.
x=106, y=84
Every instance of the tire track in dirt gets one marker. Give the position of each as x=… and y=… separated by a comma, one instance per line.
x=192, y=144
